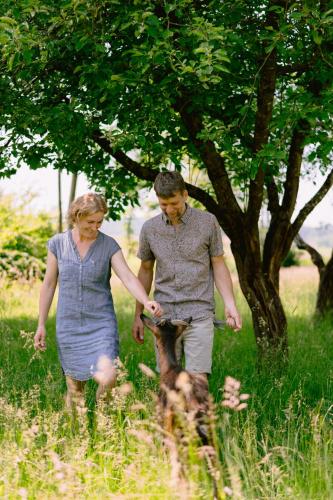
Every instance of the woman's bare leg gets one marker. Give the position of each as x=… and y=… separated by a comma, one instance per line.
x=75, y=393
x=105, y=390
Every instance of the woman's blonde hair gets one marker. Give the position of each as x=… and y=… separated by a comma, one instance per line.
x=84, y=205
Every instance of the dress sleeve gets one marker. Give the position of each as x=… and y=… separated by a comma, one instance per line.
x=144, y=251
x=215, y=244
x=53, y=246
x=113, y=247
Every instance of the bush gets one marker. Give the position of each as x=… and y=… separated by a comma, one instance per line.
x=22, y=241
x=292, y=259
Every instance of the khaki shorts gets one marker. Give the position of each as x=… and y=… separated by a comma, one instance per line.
x=196, y=345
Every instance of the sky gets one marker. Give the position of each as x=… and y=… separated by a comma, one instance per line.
x=43, y=183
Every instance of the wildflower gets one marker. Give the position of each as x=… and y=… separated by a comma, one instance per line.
x=125, y=389
x=147, y=371
x=138, y=406
x=232, y=398
x=228, y=491
x=62, y=488
x=23, y=493
x=130, y=470
x=141, y=436
x=106, y=371
x=206, y=450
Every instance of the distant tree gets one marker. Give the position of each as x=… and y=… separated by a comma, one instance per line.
x=324, y=304
x=73, y=188
x=72, y=191
x=241, y=87
x=291, y=259
x=22, y=240
x=60, y=225
x=129, y=232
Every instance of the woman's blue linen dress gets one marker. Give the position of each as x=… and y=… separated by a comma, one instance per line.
x=86, y=323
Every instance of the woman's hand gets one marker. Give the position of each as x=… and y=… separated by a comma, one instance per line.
x=154, y=308
x=39, y=339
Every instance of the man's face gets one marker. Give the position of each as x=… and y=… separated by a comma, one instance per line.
x=174, y=206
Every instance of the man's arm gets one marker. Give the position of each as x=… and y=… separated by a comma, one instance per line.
x=145, y=276
x=224, y=286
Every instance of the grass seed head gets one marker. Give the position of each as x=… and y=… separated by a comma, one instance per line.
x=106, y=371
x=147, y=371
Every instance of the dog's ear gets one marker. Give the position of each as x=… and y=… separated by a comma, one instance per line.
x=181, y=324
x=150, y=324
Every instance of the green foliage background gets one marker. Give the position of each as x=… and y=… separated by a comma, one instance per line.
x=23, y=239
x=72, y=70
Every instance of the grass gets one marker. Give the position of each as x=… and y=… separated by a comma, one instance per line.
x=279, y=447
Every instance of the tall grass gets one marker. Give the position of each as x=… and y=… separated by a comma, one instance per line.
x=280, y=447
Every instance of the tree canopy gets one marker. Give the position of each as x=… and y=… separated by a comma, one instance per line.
x=121, y=89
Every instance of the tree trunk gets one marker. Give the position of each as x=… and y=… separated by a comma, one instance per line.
x=72, y=193
x=324, y=304
x=73, y=188
x=59, y=203
x=268, y=316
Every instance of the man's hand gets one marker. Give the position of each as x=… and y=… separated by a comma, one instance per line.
x=138, y=330
x=39, y=339
x=233, y=317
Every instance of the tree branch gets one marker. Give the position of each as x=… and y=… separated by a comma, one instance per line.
x=265, y=99
x=7, y=143
x=314, y=254
x=296, y=150
x=273, y=196
x=149, y=174
x=299, y=68
x=213, y=161
x=311, y=204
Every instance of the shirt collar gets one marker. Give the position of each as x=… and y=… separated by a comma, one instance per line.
x=184, y=218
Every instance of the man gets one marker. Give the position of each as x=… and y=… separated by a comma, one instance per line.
x=186, y=245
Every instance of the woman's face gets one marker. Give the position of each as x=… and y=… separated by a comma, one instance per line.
x=88, y=226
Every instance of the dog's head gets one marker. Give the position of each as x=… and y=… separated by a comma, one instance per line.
x=165, y=326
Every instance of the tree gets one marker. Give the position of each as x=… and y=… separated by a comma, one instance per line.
x=244, y=88
x=59, y=203
x=22, y=239
x=324, y=304
x=73, y=189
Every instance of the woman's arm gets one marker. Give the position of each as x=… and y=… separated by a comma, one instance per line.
x=133, y=285
x=145, y=276
x=45, y=299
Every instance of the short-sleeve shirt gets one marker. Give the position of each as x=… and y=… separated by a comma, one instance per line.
x=184, y=281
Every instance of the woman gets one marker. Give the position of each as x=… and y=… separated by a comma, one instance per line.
x=87, y=335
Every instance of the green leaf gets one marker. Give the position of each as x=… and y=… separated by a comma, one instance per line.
x=317, y=38
x=8, y=20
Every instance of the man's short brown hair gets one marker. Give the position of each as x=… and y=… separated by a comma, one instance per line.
x=167, y=184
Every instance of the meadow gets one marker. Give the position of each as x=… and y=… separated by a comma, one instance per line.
x=279, y=447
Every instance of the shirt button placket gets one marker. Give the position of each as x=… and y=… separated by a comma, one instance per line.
x=175, y=245
x=177, y=273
